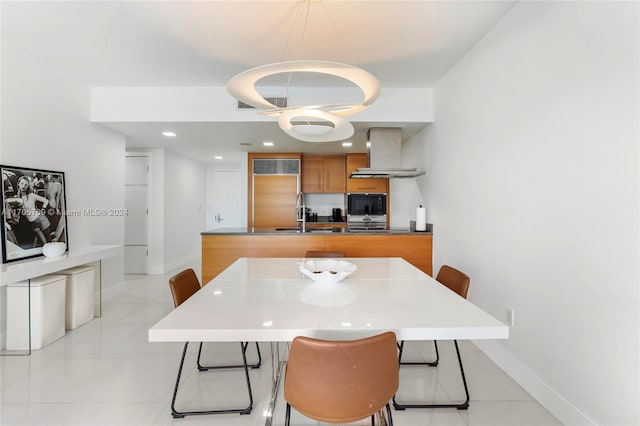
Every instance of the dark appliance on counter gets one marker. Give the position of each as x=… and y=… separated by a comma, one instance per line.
x=367, y=211
x=336, y=215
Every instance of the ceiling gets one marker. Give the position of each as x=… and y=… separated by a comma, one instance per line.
x=204, y=43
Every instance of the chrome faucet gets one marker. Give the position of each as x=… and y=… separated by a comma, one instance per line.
x=300, y=212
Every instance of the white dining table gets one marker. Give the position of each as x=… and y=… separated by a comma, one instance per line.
x=271, y=300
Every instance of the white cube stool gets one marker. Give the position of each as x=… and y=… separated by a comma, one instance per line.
x=47, y=312
x=79, y=296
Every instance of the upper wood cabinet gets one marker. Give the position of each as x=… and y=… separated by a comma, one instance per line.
x=312, y=170
x=323, y=173
x=334, y=174
x=356, y=161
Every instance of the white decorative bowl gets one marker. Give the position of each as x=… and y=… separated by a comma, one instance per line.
x=327, y=270
x=53, y=249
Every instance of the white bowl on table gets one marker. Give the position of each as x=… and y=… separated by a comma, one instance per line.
x=327, y=270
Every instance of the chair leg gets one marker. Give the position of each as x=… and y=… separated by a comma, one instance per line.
x=218, y=367
x=429, y=363
x=460, y=406
x=384, y=420
x=389, y=422
x=390, y=418
x=247, y=410
x=287, y=415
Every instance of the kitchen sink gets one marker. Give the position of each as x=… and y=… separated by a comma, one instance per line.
x=370, y=231
x=312, y=231
x=326, y=230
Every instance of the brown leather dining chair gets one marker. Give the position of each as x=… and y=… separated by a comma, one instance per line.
x=321, y=253
x=458, y=282
x=341, y=381
x=183, y=285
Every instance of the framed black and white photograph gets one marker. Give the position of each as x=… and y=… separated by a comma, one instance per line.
x=33, y=213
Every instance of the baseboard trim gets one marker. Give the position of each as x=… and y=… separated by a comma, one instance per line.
x=156, y=270
x=546, y=395
x=180, y=263
x=113, y=291
x=161, y=269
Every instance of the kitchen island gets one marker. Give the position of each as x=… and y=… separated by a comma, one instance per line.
x=222, y=247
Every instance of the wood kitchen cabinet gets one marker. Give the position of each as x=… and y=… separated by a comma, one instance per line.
x=220, y=250
x=356, y=161
x=271, y=198
x=323, y=173
x=274, y=201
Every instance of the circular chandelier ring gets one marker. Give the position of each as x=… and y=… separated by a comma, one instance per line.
x=243, y=85
x=341, y=110
x=342, y=129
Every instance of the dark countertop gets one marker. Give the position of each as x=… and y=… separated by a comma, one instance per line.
x=326, y=219
x=292, y=231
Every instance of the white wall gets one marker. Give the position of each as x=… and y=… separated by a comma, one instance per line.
x=185, y=194
x=407, y=194
x=177, y=210
x=156, y=213
x=44, y=124
x=533, y=190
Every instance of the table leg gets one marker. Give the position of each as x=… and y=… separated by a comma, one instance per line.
x=278, y=362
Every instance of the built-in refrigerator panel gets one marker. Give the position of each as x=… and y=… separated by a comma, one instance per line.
x=276, y=183
x=274, y=201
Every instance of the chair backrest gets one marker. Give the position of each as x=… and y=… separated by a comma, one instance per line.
x=341, y=381
x=183, y=286
x=320, y=253
x=454, y=279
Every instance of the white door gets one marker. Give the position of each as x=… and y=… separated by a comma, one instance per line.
x=227, y=190
x=136, y=191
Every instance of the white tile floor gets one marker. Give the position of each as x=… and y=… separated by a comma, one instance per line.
x=107, y=373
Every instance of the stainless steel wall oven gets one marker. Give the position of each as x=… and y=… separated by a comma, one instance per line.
x=367, y=211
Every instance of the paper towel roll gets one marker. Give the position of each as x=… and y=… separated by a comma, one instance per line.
x=421, y=219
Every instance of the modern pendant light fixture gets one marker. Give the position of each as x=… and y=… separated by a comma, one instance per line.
x=309, y=123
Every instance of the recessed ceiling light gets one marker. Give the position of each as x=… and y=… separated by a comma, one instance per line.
x=267, y=143
x=346, y=144
x=218, y=157
x=169, y=134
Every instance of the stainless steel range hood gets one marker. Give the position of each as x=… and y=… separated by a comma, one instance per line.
x=385, y=156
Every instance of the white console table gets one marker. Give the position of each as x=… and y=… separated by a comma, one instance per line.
x=31, y=268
